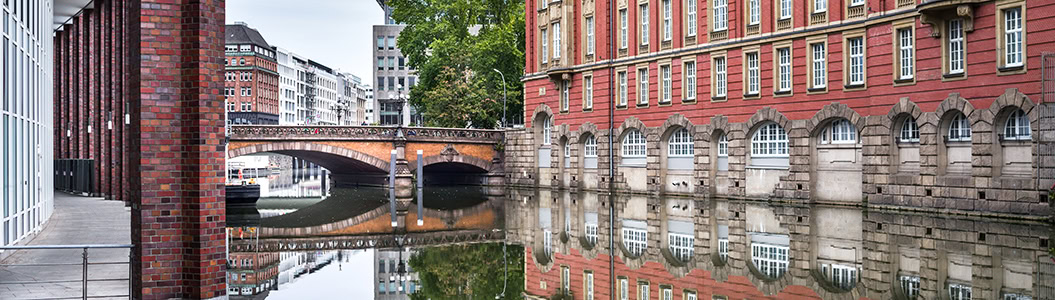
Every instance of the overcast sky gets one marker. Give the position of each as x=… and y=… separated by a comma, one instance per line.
x=336, y=33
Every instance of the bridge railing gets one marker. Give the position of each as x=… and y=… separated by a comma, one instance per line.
x=368, y=133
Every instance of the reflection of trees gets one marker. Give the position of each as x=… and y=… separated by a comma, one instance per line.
x=472, y=271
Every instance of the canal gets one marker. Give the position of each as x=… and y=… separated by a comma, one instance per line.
x=309, y=239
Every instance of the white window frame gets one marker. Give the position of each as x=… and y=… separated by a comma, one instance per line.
x=547, y=134
x=959, y=291
x=754, y=84
x=820, y=6
x=590, y=146
x=545, y=45
x=721, y=15
x=589, y=35
x=556, y=40
x=565, y=278
x=547, y=241
x=721, y=79
x=643, y=10
x=785, y=9
x=667, y=20
x=690, y=80
x=690, y=295
x=840, y=131
x=591, y=229
x=754, y=12
x=642, y=291
x=624, y=287
x=906, y=41
x=690, y=8
x=771, y=260
x=856, y=2
x=588, y=282
x=623, y=88
x=681, y=245
x=857, y=60
x=567, y=151
x=957, y=60
x=623, y=40
x=784, y=69
x=1013, y=36
x=909, y=285
x=635, y=241
x=723, y=248
x=634, y=144
x=770, y=140
x=1017, y=126
x=565, y=88
x=960, y=129
x=909, y=132
x=666, y=293
x=665, y=83
x=642, y=86
x=820, y=65
x=842, y=276
x=680, y=144
x=587, y=94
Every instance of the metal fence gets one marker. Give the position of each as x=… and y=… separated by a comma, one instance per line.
x=84, y=264
x=75, y=175
x=1047, y=77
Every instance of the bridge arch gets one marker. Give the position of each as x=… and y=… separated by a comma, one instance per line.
x=336, y=159
x=481, y=166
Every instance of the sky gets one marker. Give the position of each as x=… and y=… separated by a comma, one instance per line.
x=353, y=279
x=336, y=33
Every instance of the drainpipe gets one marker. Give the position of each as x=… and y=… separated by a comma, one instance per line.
x=611, y=152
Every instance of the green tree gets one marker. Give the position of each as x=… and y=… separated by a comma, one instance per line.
x=454, y=45
x=475, y=271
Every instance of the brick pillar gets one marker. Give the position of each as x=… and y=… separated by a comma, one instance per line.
x=95, y=151
x=178, y=215
x=59, y=133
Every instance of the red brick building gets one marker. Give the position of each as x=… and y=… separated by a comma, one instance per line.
x=879, y=96
x=251, y=77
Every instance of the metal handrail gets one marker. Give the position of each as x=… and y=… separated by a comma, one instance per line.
x=84, y=267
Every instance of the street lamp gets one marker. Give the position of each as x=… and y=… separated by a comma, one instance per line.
x=503, y=96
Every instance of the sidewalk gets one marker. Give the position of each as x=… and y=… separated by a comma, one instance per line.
x=76, y=220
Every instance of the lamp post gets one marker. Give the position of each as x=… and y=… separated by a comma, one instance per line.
x=503, y=96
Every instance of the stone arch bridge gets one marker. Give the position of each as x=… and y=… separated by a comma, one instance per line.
x=362, y=154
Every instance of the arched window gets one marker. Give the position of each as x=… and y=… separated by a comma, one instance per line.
x=634, y=144
x=1017, y=126
x=567, y=150
x=547, y=135
x=770, y=140
x=959, y=129
x=635, y=240
x=839, y=132
x=723, y=146
x=909, y=131
x=590, y=146
x=680, y=144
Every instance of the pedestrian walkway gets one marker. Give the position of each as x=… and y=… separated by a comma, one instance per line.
x=76, y=220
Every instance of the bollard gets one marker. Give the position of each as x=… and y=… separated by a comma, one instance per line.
x=84, y=275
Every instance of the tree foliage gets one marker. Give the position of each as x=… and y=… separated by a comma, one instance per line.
x=475, y=271
x=454, y=45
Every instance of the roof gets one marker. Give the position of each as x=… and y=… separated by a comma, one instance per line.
x=240, y=33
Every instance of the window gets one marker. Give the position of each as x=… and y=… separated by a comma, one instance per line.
x=959, y=129
x=784, y=69
x=1017, y=126
x=723, y=146
x=910, y=286
x=909, y=131
x=556, y=40
x=842, y=276
x=567, y=156
x=642, y=86
x=1013, y=37
x=565, y=279
x=955, y=46
x=667, y=33
x=1012, y=296
x=622, y=29
x=857, y=61
x=753, y=79
x=681, y=245
x=545, y=45
x=690, y=9
x=820, y=78
x=642, y=290
x=591, y=228
x=634, y=144
x=720, y=79
x=690, y=296
x=857, y=2
x=905, y=53
x=391, y=62
x=959, y=291
x=565, y=86
x=624, y=287
x=754, y=12
x=721, y=15
x=380, y=43
x=547, y=241
x=665, y=83
x=547, y=135
x=589, y=36
x=771, y=260
x=644, y=24
x=635, y=241
x=680, y=144
x=723, y=246
x=690, y=80
x=587, y=92
x=820, y=6
x=666, y=293
x=785, y=9
x=589, y=285
x=401, y=63
x=622, y=88
x=839, y=132
x=770, y=140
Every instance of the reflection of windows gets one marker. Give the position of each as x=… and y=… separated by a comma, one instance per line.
x=842, y=276
x=770, y=140
x=910, y=286
x=771, y=260
x=624, y=287
x=590, y=147
x=547, y=241
x=591, y=233
x=642, y=290
x=959, y=291
x=589, y=285
x=680, y=144
x=635, y=241
x=1011, y=296
x=959, y=129
x=565, y=279
x=666, y=293
x=681, y=245
x=634, y=144
x=909, y=131
x=840, y=132
x=1017, y=126
x=723, y=248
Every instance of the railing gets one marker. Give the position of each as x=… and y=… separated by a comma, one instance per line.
x=84, y=269
x=366, y=133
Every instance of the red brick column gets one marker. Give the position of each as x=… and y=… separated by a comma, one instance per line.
x=95, y=152
x=59, y=132
x=178, y=216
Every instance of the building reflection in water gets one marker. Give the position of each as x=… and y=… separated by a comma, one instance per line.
x=687, y=248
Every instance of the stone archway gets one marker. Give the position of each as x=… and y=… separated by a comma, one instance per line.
x=763, y=173
x=835, y=158
x=1012, y=156
x=676, y=173
x=633, y=170
x=336, y=159
x=953, y=157
x=588, y=163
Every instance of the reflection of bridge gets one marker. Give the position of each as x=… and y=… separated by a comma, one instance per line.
x=378, y=241
x=353, y=153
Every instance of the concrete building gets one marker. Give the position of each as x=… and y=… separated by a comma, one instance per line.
x=393, y=277
x=251, y=80
x=289, y=86
x=370, y=116
x=351, y=99
x=392, y=77
x=889, y=101
x=27, y=111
